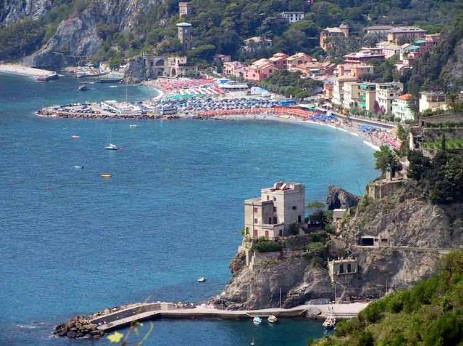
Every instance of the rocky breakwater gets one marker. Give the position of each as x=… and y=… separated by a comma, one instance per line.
x=78, y=327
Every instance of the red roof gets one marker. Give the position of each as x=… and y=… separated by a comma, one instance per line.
x=406, y=97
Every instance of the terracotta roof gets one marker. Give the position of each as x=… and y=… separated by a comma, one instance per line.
x=406, y=97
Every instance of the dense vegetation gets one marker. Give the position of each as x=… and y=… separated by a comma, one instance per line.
x=291, y=85
x=431, y=313
x=442, y=176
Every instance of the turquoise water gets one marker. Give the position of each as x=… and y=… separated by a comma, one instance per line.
x=74, y=243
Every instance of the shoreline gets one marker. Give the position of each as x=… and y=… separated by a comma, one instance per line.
x=23, y=70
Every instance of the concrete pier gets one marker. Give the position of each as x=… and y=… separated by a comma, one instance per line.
x=150, y=311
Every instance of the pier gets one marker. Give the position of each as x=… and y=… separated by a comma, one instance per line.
x=150, y=311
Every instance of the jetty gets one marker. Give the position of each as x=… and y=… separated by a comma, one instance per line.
x=98, y=324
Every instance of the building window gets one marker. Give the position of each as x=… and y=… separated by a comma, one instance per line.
x=256, y=221
x=268, y=198
x=341, y=269
x=275, y=220
x=270, y=220
x=274, y=209
x=294, y=207
x=349, y=268
x=274, y=198
x=255, y=210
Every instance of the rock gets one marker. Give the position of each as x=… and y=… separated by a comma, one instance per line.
x=71, y=334
x=12, y=10
x=340, y=199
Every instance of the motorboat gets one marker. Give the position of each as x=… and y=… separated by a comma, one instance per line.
x=330, y=322
x=201, y=279
x=257, y=320
x=83, y=87
x=252, y=342
x=272, y=319
x=132, y=126
x=79, y=167
x=111, y=146
x=106, y=175
x=75, y=137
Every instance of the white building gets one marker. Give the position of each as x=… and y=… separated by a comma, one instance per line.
x=272, y=214
x=386, y=93
x=402, y=107
x=293, y=17
x=432, y=101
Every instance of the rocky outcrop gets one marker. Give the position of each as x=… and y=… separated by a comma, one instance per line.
x=13, y=10
x=80, y=35
x=415, y=234
x=340, y=199
x=78, y=327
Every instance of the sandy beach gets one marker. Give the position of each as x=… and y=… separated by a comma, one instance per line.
x=25, y=70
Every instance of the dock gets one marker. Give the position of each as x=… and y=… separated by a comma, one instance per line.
x=150, y=311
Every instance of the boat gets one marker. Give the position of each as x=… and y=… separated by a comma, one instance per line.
x=272, y=319
x=79, y=167
x=75, y=137
x=257, y=320
x=201, y=279
x=111, y=146
x=106, y=175
x=252, y=342
x=83, y=87
x=330, y=322
x=132, y=126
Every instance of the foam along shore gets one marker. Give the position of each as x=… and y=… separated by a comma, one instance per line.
x=26, y=71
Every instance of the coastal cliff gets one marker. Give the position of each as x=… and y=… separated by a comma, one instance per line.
x=12, y=10
x=84, y=31
x=413, y=235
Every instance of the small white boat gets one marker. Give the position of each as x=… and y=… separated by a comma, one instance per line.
x=111, y=146
x=257, y=320
x=132, y=126
x=252, y=342
x=201, y=279
x=75, y=137
x=330, y=322
x=272, y=319
x=79, y=167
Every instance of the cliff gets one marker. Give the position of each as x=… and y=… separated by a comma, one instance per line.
x=12, y=10
x=82, y=34
x=411, y=236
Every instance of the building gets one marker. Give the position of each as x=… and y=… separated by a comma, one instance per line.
x=368, y=97
x=257, y=43
x=328, y=34
x=405, y=33
x=185, y=9
x=351, y=98
x=178, y=66
x=273, y=213
x=432, y=101
x=389, y=49
x=342, y=267
x=298, y=61
x=365, y=55
x=260, y=70
x=338, y=214
x=386, y=93
x=379, y=31
x=402, y=107
x=338, y=89
x=293, y=17
x=234, y=68
x=184, y=35
x=279, y=60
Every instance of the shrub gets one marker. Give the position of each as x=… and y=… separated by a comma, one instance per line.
x=265, y=245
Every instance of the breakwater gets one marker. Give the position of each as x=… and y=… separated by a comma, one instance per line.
x=96, y=325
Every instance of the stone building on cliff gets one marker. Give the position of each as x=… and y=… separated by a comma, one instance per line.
x=273, y=213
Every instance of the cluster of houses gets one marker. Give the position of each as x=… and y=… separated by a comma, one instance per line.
x=265, y=68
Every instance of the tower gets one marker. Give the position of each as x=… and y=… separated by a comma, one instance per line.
x=184, y=9
x=184, y=34
x=345, y=28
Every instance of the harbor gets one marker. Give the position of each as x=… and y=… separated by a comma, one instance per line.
x=98, y=324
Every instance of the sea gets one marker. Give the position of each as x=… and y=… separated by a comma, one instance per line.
x=75, y=243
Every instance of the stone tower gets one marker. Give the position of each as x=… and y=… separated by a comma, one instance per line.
x=345, y=28
x=184, y=9
x=184, y=34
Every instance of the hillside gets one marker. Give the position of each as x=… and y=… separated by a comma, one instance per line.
x=414, y=225
x=69, y=30
x=431, y=313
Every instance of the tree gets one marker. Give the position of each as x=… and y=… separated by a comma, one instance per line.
x=385, y=158
x=419, y=165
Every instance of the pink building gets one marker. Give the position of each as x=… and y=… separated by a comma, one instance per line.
x=299, y=62
x=260, y=70
x=279, y=60
x=234, y=68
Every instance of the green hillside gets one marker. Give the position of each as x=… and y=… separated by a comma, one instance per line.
x=431, y=313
